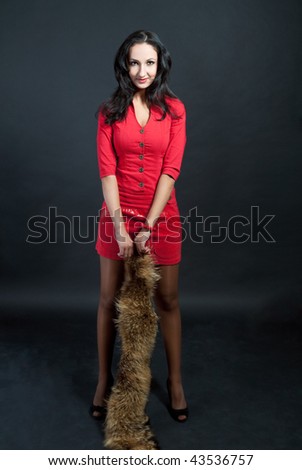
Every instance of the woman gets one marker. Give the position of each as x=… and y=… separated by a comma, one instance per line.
x=141, y=138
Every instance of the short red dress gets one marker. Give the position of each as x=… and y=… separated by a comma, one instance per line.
x=138, y=156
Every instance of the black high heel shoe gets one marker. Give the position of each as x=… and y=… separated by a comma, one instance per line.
x=101, y=409
x=174, y=412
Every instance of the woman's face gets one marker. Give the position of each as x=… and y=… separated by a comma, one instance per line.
x=142, y=65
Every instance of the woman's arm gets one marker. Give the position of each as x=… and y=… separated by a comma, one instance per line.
x=112, y=199
x=107, y=168
x=163, y=191
x=171, y=163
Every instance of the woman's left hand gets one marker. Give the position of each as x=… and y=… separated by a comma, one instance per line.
x=140, y=241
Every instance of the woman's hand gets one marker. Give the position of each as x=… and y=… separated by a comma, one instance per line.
x=125, y=243
x=141, y=239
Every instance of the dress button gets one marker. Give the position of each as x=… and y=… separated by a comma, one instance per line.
x=141, y=157
x=141, y=144
x=141, y=169
x=141, y=184
x=142, y=131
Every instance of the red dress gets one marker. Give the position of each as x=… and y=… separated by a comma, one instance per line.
x=137, y=156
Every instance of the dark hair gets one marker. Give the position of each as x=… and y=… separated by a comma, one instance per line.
x=116, y=106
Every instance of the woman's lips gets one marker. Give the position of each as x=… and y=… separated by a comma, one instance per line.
x=142, y=80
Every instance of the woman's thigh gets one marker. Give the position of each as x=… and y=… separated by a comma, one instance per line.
x=166, y=292
x=111, y=279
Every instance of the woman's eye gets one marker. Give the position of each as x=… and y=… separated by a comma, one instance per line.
x=150, y=62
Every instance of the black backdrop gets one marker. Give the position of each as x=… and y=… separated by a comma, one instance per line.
x=237, y=68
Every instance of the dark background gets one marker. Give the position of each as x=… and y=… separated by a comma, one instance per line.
x=237, y=68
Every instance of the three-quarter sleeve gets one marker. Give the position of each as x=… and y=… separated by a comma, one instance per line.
x=105, y=149
x=174, y=154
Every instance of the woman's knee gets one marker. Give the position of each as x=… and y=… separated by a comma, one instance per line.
x=107, y=303
x=112, y=276
x=167, y=301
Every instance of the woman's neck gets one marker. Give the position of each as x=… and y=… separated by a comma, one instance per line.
x=140, y=96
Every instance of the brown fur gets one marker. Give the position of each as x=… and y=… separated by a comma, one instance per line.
x=126, y=422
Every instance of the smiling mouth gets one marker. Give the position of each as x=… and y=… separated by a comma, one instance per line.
x=142, y=79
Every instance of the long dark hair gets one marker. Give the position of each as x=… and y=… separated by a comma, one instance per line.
x=116, y=106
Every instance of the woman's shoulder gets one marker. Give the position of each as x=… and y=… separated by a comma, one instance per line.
x=175, y=103
x=102, y=114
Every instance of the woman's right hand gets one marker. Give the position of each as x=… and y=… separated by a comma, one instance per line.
x=125, y=243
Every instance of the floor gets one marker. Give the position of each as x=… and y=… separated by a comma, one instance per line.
x=242, y=379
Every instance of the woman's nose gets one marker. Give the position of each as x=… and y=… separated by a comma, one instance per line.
x=142, y=72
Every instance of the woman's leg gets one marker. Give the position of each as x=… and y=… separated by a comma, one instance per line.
x=111, y=274
x=166, y=300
